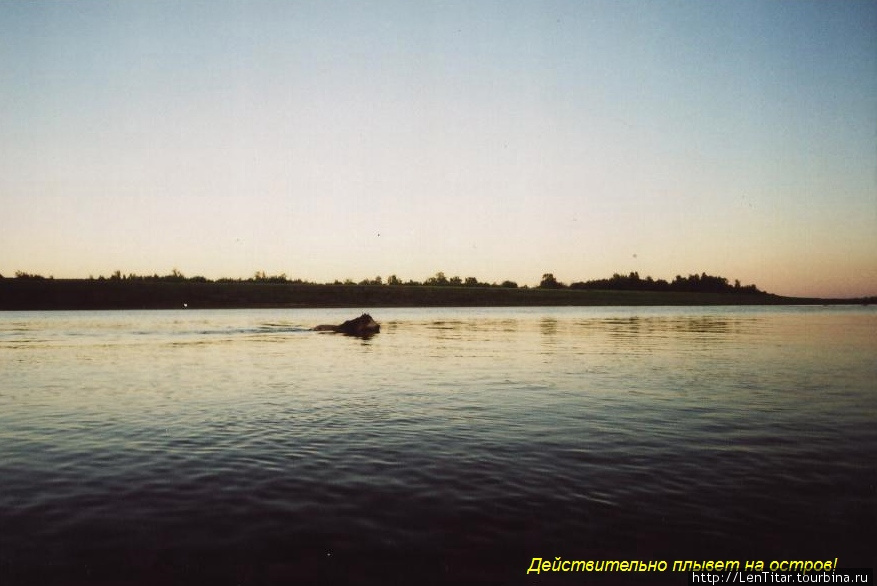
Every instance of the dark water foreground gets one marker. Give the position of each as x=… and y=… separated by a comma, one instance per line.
x=236, y=447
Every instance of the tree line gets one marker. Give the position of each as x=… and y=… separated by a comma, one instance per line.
x=175, y=276
x=702, y=283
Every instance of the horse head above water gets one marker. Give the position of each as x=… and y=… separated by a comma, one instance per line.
x=362, y=326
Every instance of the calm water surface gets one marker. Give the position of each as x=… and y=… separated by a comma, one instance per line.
x=457, y=444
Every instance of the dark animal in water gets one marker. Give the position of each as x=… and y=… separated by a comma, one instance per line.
x=362, y=326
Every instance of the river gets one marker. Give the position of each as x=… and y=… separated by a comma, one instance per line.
x=454, y=446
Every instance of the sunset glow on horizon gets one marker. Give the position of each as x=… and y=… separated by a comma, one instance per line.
x=496, y=140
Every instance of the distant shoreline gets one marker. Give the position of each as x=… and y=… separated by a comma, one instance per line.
x=90, y=294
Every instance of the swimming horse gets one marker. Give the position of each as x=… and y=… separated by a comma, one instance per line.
x=362, y=326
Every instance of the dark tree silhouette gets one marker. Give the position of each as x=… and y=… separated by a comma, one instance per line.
x=549, y=282
x=702, y=283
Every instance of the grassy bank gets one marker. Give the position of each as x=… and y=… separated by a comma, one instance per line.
x=45, y=294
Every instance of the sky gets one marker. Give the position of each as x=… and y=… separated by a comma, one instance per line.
x=492, y=139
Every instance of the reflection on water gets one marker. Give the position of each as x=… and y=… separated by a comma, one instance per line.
x=457, y=444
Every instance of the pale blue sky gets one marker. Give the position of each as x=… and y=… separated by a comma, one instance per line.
x=500, y=140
